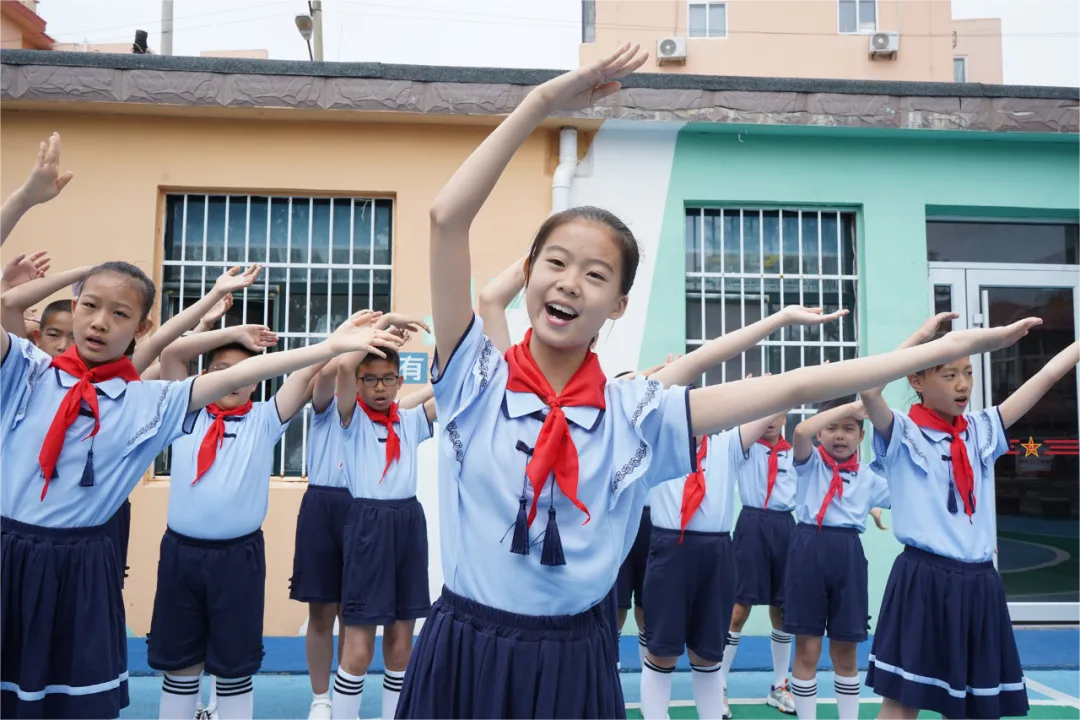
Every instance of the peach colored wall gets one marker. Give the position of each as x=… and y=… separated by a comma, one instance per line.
x=111, y=210
x=980, y=42
x=123, y=48
x=784, y=38
x=11, y=34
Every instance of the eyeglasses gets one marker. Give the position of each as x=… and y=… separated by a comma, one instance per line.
x=372, y=381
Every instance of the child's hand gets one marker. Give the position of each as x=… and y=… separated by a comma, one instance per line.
x=929, y=328
x=234, y=281
x=984, y=340
x=46, y=181
x=876, y=514
x=255, y=337
x=799, y=315
x=408, y=323
x=358, y=334
x=584, y=87
x=858, y=411
x=213, y=315
x=23, y=269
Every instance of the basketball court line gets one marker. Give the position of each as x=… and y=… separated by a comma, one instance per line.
x=1057, y=697
x=862, y=701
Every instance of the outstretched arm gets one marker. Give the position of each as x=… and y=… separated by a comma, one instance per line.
x=1016, y=405
x=177, y=356
x=495, y=298
x=44, y=183
x=417, y=398
x=15, y=302
x=322, y=392
x=807, y=430
x=295, y=391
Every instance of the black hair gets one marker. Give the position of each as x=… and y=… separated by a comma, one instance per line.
x=840, y=402
x=54, y=308
x=209, y=357
x=621, y=234
x=624, y=373
x=392, y=357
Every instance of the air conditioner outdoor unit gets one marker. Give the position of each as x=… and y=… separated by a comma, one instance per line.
x=884, y=44
x=671, y=50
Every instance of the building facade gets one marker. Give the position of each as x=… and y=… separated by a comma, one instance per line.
x=889, y=200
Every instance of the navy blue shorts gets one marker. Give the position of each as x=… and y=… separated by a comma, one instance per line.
x=473, y=661
x=691, y=588
x=386, y=562
x=944, y=640
x=319, y=555
x=62, y=624
x=826, y=584
x=209, y=605
x=119, y=529
x=761, y=542
x=632, y=572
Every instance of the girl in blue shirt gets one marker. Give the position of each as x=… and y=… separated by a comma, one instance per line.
x=517, y=631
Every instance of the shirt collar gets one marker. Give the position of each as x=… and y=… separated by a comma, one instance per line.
x=113, y=388
x=519, y=404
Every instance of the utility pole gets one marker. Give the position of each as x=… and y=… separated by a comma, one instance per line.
x=166, y=27
x=316, y=23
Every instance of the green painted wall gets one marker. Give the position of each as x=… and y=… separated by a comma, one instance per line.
x=891, y=182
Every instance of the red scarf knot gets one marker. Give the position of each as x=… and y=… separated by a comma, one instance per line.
x=963, y=474
x=387, y=420
x=215, y=436
x=83, y=390
x=774, y=465
x=694, y=489
x=836, y=484
x=555, y=451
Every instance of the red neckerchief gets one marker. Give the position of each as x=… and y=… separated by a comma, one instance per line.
x=694, y=489
x=836, y=484
x=83, y=390
x=555, y=450
x=963, y=475
x=774, y=464
x=387, y=420
x=215, y=436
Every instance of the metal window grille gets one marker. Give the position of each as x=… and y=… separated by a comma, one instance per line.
x=324, y=258
x=743, y=265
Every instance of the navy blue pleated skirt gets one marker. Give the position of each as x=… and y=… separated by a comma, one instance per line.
x=63, y=643
x=473, y=661
x=944, y=640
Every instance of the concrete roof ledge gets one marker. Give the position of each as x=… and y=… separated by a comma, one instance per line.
x=34, y=77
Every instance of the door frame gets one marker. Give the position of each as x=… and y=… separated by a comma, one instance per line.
x=966, y=281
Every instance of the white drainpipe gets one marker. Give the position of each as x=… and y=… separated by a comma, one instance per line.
x=564, y=173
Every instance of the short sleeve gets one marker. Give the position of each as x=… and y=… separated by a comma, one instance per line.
x=321, y=418
x=20, y=371
x=157, y=410
x=466, y=374
x=658, y=443
x=734, y=455
x=811, y=467
x=902, y=442
x=989, y=433
x=415, y=421
x=270, y=419
x=880, y=497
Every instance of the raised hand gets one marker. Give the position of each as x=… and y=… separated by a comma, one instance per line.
x=929, y=328
x=406, y=323
x=983, y=340
x=584, y=87
x=46, y=181
x=232, y=280
x=23, y=269
x=256, y=337
x=213, y=315
x=358, y=333
x=858, y=411
x=799, y=315
x=876, y=514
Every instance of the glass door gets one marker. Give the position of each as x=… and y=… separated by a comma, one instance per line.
x=1038, y=482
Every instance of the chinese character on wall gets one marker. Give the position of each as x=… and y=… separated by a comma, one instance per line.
x=414, y=368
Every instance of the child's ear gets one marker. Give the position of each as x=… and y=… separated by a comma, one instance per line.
x=35, y=336
x=144, y=327
x=916, y=383
x=620, y=308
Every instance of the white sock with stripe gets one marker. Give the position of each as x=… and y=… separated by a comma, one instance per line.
x=805, y=694
x=847, y=696
x=729, y=655
x=213, y=692
x=655, y=691
x=391, y=690
x=781, y=656
x=235, y=698
x=708, y=688
x=348, y=691
x=641, y=647
x=179, y=696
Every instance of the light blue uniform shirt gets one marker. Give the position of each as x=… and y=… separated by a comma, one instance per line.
x=364, y=444
x=642, y=438
x=919, y=480
x=722, y=459
x=325, y=458
x=138, y=421
x=754, y=479
x=863, y=489
x=231, y=498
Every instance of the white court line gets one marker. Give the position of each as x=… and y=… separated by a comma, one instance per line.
x=1058, y=697
x=1066, y=700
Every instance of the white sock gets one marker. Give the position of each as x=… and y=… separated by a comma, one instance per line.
x=847, y=696
x=805, y=694
x=781, y=656
x=235, y=698
x=179, y=696
x=213, y=691
x=729, y=655
x=320, y=696
x=391, y=689
x=708, y=687
x=641, y=647
x=348, y=690
x=655, y=691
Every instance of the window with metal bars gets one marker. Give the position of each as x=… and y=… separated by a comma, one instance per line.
x=745, y=264
x=323, y=258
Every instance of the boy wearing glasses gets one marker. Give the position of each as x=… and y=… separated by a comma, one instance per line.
x=385, y=578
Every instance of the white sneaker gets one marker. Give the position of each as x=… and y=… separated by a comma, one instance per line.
x=727, y=708
x=781, y=699
x=321, y=709
x=200, y=714
x=211, y=713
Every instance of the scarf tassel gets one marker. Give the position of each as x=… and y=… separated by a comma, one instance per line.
x=552, y=552
x=952, y=499
x=88, y=471
x=520, y=544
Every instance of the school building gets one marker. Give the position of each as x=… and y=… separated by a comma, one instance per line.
x=890, y=199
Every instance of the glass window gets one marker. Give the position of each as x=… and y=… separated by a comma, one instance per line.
x=857, y=16
x=588, y=21
x=959, y=69
x=324, y=259
x=698, y=24
x=707, y=20
x=1003, y=242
